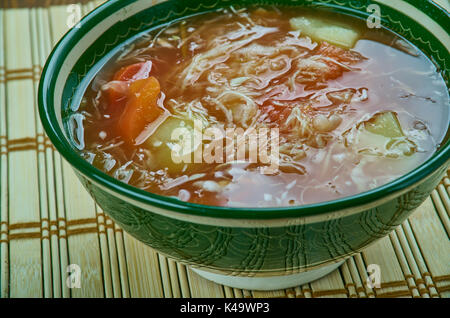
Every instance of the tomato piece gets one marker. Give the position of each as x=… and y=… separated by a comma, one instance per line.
x=340, y=55
x=141, y=108
x=134, y=72
x=117, y=92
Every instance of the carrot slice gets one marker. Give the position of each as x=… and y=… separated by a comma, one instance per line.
x=141, y=108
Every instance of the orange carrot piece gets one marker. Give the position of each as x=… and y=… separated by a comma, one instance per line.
x=141, y=108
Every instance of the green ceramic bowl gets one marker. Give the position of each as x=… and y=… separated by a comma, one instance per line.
x=261, y=248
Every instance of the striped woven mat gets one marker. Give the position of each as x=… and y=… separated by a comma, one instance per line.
x=48, y=221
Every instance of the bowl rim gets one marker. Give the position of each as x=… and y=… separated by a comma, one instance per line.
x=57, y=137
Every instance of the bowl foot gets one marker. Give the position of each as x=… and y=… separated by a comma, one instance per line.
x=269, y=282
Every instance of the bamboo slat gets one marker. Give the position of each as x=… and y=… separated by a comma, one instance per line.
x=269, y=294
x=392, y=279
x=145, y=264
x=42, y=174
x=184, y=285
x=48, y=221
x=331, y=285
x=4, y=220
x=203, y=288
x=25, y=263
x=434, y=245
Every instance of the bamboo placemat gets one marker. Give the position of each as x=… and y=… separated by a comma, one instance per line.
x=49, y=221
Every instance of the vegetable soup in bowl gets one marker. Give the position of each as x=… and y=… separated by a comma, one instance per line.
x=261, y=143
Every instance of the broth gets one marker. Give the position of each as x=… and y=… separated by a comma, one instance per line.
x=347, y=108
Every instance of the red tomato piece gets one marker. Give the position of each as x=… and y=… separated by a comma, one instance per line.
x=117, y=92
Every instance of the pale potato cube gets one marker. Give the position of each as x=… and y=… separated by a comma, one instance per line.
x=306, y=25
x=382, y=135
x=339, y=36
x=385, y=124
x=319, y=31
x=172, y=144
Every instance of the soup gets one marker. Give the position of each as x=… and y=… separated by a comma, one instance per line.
x=262, y=107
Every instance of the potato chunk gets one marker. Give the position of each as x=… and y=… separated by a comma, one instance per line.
x=385, y=124
x=382, y=135
x=173, y=144
x=320, y=30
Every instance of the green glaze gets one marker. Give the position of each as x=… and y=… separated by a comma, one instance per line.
x=289, y=249
x=264, y=240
